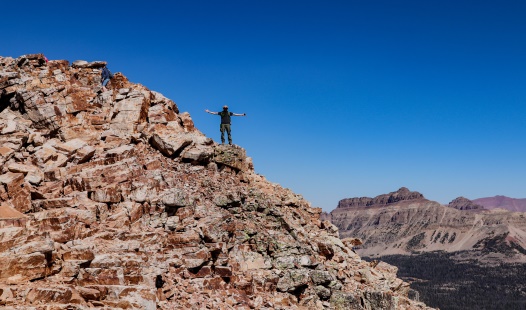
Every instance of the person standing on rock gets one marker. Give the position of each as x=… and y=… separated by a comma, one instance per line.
x=106, y=75
x=225, y=122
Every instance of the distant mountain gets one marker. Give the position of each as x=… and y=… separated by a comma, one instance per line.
x=503, y=202
x=405, y=222
x=458, y=256
x=385, y=199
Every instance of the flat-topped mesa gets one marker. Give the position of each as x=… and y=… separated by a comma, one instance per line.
x=462, y=203
x=380, y=200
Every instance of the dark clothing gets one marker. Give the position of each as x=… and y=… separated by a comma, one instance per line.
x=106, y=74
x=223, y=128
x=225, y=116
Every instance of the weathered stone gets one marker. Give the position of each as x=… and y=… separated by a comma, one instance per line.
x=170, y=145
x=88, y=293
x=18, y=190
x=198, y=154
x=131, y=192
x=79, y=64
x=52, y=203
x=6, y=212
x=49, y=295
x=44, y=154
x=223, y=271
x=174, y=198
x=71, y=146
x=292, y=280
x=81, y=254
x=321, y=277
x=105, y=261
x=109, y=194
x=323, y=292
x=84, y=154
x=6, y=151
x=231, y=156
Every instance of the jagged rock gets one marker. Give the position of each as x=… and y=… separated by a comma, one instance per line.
x=231, y=156
x=174, y=198
x=102, y=193
x=169, y=144
x=402, y=194
x=292, y=280
x=17, y=190
x=462, y=203
x=6, y=212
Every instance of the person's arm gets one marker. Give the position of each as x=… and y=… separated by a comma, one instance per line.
x=235, y=114
x=208, y=111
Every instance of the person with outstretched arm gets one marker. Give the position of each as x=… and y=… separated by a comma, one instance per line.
x=225, y=122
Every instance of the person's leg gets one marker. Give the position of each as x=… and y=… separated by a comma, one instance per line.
x=222, y=128
x=104, y=83
x=229, y=135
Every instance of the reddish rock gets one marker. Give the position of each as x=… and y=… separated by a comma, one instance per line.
x=18, y=190
x=119, y=187
x=223, y=271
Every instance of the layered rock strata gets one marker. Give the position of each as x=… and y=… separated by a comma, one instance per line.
x=381, y=200
x=404, y=222
x=115, y=200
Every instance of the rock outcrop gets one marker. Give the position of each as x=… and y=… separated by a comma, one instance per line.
x=400, y=195
x=462, y=203
x=414, y=225
x=115, y=200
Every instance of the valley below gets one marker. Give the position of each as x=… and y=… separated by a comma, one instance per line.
x=457, y=256
x=444, y=282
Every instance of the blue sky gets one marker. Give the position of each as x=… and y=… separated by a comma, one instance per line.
x=344, y=98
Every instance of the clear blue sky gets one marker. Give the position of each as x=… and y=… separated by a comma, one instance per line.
x=344, y=98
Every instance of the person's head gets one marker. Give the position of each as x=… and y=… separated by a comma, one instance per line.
x=225, y=107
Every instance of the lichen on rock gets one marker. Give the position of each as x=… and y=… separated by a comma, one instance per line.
x=110, y=191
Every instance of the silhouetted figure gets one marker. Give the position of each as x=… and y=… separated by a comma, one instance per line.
x=225, y=122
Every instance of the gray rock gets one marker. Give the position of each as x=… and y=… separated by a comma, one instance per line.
x=79, y=64
x=174, y=198
x=293, y=279
x=321, y=277
x=322, y=292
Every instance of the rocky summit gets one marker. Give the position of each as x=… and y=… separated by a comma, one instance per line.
x=113, y=199
x=462, y=203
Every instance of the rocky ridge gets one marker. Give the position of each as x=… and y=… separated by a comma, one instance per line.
x=381, y=200
x=410, y=224
x=503, y=202
x=115, y=200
